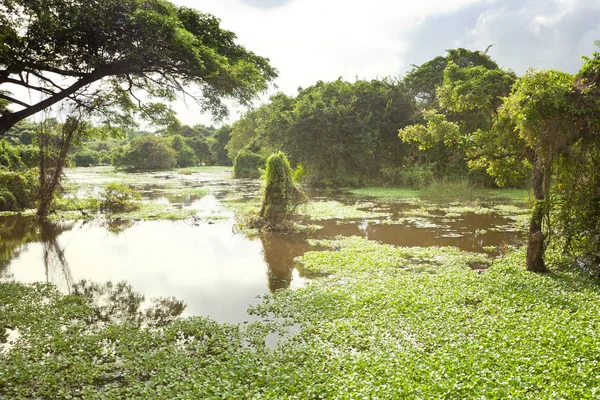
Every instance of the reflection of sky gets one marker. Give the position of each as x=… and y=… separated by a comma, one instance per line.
x=217, y=273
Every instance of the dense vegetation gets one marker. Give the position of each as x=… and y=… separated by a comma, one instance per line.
x=398, y=327
x=377, y=321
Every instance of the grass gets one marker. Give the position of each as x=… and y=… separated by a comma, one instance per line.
x=445, y=192
x=322, y=210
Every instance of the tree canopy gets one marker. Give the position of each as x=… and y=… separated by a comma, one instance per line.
x=343, y=133
x=119, y=59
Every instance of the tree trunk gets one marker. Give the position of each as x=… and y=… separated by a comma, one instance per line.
x=535, y=244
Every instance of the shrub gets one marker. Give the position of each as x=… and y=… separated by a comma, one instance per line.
x=247, y=165
x=119, y=198
x=186, y=157
x=18, y=190
x=281, y=194
x=146, y=153
x=9, y=157
x=415, y=175
x=85, y=157
x=7, y=200
x=30, y=155
x=299, y=173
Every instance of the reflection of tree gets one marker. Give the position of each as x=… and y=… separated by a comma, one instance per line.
x=279, y=251
x=120, y=303
x=56, y=266
x=118, y=225
x=15, y=233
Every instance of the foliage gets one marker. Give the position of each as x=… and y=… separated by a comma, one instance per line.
x=10, y=158
x=416, y=175
x=128, y=48
x=219, y=147
x=146, y=153
x=18, y=190
x=459, y=129
x=85, y=157
x=8, y=202
x=185, y=154
x=247, y=165
x=342, y=133
x=387, y=322
x=119, y=198
x=281, y=195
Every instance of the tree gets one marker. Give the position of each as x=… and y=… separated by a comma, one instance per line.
x=102, y=55
x=342, y=133
x=423, y=80
x=55, y=140
x=147, y=153
x=185, y=154
x=222, y=137
x=556, y=115
x=458, y=129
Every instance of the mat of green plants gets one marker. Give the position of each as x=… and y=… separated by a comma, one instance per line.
x=374, y=320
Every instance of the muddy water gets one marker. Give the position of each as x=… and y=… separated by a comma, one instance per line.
x=217, y=272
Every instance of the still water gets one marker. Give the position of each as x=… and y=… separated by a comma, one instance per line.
x=216, y=271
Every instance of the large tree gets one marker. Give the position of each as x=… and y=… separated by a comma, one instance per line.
x=115, y=57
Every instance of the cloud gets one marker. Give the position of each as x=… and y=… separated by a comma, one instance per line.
x=266, y=3
x=541, y=34
x=311, y=40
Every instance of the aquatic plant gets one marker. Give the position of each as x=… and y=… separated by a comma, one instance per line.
x=119, y=198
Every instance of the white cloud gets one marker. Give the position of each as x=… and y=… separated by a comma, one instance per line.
x=311, y=40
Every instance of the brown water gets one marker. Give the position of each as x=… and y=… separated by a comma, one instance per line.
x=217, y=272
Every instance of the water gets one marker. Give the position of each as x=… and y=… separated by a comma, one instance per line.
x=216, y=271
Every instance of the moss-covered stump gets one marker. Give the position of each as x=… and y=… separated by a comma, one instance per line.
x=282, y=196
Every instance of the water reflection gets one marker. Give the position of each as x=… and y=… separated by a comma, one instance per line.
x=118, y=302
x=279, y=251
x=215, y=272
x=56, y=267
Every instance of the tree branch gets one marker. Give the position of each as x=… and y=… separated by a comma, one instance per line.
x=13, y=100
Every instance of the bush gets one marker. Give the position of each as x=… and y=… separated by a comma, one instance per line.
x=299, y=173
x=9, y=157
x=119, y=198
x=247, y=165
x=281, y=194
x=18, y=190
x=185, y=154
x=7, y=200
x=85, y=157
x=146, y=153
x=415, y=175
x=30, y=155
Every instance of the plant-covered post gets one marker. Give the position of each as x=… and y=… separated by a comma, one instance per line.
x=281, y=194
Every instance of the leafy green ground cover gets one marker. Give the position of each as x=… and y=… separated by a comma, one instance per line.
x=383, y=322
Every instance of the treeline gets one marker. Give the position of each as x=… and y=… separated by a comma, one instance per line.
x=176, y=146
x=344, y=133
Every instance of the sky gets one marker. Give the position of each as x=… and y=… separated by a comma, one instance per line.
x=311, y=40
